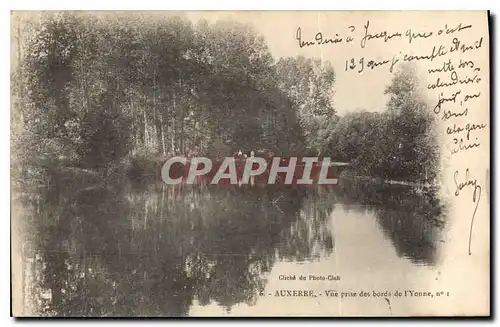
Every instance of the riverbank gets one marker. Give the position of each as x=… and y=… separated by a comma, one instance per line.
x=352, y=175
x=145, y=169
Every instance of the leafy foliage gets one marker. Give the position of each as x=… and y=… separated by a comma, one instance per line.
x=95, y=92
x=399, y=143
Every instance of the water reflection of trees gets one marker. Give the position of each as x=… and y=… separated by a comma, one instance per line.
x=310, y=235
x=120, y=252
x=152, y=252
x=411, y=218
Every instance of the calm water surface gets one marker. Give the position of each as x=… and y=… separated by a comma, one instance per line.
x=156, y=251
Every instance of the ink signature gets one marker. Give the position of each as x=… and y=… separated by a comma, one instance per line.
x=476, y=196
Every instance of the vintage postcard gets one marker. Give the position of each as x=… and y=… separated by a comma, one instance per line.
x=273, y=163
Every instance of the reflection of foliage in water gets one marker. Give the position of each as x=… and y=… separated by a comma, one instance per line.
x=315, y=238
x=149, y=252
x=411, y=218
x=118, y=252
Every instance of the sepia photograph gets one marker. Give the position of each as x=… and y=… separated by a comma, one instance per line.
x=250, y=163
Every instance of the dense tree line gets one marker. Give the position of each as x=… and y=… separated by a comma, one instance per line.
x=399, y=143
x=94, y=93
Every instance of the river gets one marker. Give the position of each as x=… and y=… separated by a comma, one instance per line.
x=152, y=250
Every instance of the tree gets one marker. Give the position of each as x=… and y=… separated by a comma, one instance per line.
x=414, y=143
x=399, y=143
x=309, y=84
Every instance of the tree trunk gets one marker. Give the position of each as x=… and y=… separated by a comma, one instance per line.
x=145, y=130
x=173, y=125
x=162, y=134
x=155, y=129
